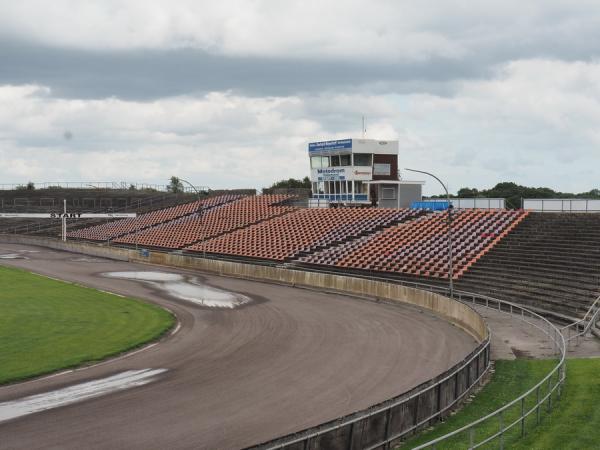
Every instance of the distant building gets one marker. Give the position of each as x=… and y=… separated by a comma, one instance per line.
x=359, y=171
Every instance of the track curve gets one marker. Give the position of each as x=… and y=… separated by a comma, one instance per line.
x=294, y=359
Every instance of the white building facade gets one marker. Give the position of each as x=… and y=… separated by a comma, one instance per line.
x=340, y=170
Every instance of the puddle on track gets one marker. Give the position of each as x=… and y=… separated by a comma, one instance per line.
x=87, y=260
x=77, y=393
x=12, y=256
x=186, y=288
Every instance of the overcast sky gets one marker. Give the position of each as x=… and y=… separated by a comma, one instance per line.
x=229, y=93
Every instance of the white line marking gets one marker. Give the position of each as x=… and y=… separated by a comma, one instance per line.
x=77, y=393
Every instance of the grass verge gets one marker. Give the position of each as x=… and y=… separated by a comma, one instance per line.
x=48, y=325
x=573, y=423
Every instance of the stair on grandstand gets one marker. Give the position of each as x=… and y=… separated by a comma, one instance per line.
x=550, y=261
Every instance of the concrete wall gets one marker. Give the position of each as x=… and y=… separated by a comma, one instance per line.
x=451, y=310
x=410, y=193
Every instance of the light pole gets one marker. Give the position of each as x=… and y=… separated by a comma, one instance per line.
x=199, y=210
x=450, y=256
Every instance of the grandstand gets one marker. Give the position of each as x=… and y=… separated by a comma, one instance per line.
x=224, y=218
x=122, y=227
x=420, y=247
x=302, y=231
x=546, y=261
x=550, y=262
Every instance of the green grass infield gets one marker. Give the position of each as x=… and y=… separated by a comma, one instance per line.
x=48, y=325
x=572, y=423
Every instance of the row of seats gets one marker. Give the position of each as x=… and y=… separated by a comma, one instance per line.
x=305, y=230
x=420, y=247
x=211, y=223
x=114, y=229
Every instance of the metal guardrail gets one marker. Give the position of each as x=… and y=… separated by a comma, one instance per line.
x=540, y=395
x=380, y=425
x=582, y=327
x=117, y=185
x=536, y=397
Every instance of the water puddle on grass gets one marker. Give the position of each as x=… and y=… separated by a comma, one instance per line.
x=186, y=288
x=77, y=393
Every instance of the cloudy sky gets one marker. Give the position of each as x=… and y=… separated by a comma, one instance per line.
x=228, y=93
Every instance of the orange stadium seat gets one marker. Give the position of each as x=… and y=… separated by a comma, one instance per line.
x=114, y=229
x=303, y=231
x=214, y=222
x=420, y=247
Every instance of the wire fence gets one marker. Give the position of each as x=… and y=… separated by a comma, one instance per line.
x=511, y=421
x=114, y=185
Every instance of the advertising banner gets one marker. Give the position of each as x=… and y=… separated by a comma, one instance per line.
x=330, y=146
x=57, y=215
x=342, y=174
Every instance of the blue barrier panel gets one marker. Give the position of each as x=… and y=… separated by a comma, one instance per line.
x=434, y=206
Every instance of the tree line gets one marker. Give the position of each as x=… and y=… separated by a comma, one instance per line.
x=513, y=193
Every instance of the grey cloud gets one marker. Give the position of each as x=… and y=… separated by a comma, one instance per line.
x=150, y=74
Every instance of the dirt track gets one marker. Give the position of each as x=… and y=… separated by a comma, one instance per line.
x=238, y=377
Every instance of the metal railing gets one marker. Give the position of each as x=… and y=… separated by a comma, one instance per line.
x=115, y=185
x=582, y=327
x=401, y=415
x=513, y=414
x=516, y=412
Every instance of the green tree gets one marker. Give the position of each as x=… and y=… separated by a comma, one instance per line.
x=513, y=193
x=175, y=185
x=292, y=183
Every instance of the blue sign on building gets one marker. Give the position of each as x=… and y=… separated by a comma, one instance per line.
x=329, y=146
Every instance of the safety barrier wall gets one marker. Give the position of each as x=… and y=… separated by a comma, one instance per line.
x=382, y=425
x=70, y=246
x=473, y=203
x=570, y=205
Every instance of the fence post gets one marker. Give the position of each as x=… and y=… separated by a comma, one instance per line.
x=351, y=441
x=439, y=400
x=523, y=417
x=416, y=412
x=560, y=380
x=307, y=443
x=456, y=386
x=388, y=419
x=549, y=394
x=501, y=417
x=538, y=405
